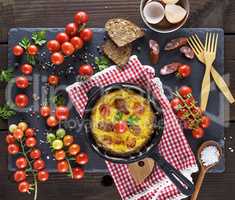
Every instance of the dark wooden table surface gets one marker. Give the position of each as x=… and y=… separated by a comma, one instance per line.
x=55, y=13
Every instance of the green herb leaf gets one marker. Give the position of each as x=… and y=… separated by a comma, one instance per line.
x=31, y=59
x=118, y=116
x=6, y=112
x=25, y=43
x=6, y=75
x=102, y=63
x=132, y=120
x=59, y=100
x=39, y=38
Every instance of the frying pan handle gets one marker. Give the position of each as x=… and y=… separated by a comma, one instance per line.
x=93, y=91
x=180, y=181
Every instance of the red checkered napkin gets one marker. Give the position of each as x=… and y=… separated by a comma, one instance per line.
x=173, y=146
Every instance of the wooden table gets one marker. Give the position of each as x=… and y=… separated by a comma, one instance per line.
x=55, y=13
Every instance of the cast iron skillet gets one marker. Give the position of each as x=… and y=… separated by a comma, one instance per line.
x=181, y=182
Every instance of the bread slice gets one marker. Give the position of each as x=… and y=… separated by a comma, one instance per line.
x=119, y=55
x=123, y=32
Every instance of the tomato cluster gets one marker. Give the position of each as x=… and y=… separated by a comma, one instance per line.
x=22, y=139
x=66, y=151
x=184, y=105
x=73, y=39
x=32, y=50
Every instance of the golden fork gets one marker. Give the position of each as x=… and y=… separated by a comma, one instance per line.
x=198, y=48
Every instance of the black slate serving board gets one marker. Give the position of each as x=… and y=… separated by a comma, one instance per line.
x=67, y=72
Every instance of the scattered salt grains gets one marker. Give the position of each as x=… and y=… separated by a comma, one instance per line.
x=210, y=155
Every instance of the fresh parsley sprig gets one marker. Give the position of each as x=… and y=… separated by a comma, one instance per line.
x=25, y=43
x=6, y=112
x=102, y=63
x=39, y=38
x=6, y=75
x=132, y=120
x=118, y=116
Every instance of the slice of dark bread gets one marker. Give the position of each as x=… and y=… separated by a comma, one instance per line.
x=122, y=31
x=119, y=55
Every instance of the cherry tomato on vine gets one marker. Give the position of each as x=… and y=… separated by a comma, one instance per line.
x=10, y=139
x=29, y=132
x=26, y=69
x=39, y=164
x=198, y=133
x=184, y=71
x=120, y=127
x=62, y=166
x=57, y=58
x=86, y=70
x=57, y=144
x=17, y=50
x=176, y=104
x=81, y=17
x=67, y=48
x=52, y=121
x=18, y=134
x=13, y=149
x=43, y=176
x=22, y=82
x=23, y=187
x=185, y=91
x=68, y=140
x=53, y=45
x=21, y=163
x=53, y=80
x=77, y=42
x=60, y=155
x=82, y=158
x=74, y=149
x=62, y=37
x=19, y=176
x=22, y=125
x=62, y=112
x=30, y=142
x=205, y=122
x=45, y=111
x=86, y=34
x=71, y=29
x=32, y=50
x=21, y=100
x=35, y=154
x=78, y=173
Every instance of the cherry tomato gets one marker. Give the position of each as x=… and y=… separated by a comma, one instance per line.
x=35, y=154
x=81, y=17
x=74, y=149
x=104, y=109
x=181, y=113
x=29, y=132
x=68, y=140
x=13, y=149
x=53, y=45
x=45, y=111
x=32, y=50
x=62, y=113
x=78, y=173
x=53, y=80
x=184, y=71
x=86, y=70
x=67, y=48
x=21, y=100
x=176, y=104
x=198, y=133
x=30, y=142
x=19, y=176
x=22, y=82
x=23, y=187
x=26, y=69
x=71, y=29
x=77, y=42
x=52, y=121
x=57, y=58
x=10, y=139
x=120, y=127
x=18, y=134
x=43, y=176
x=197, y=110
x=86, y=34
x=21, y=163
x=60, y=155
x=23, y=126
x=39, y=164
x=62, y=37
x=185, y=91
x=82, y=158
x=205, y=122
x=17, y=50
x=62, y=166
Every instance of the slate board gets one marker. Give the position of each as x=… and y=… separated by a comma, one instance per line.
x=215, y=105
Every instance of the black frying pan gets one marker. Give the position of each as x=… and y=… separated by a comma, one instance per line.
x=150, y=150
